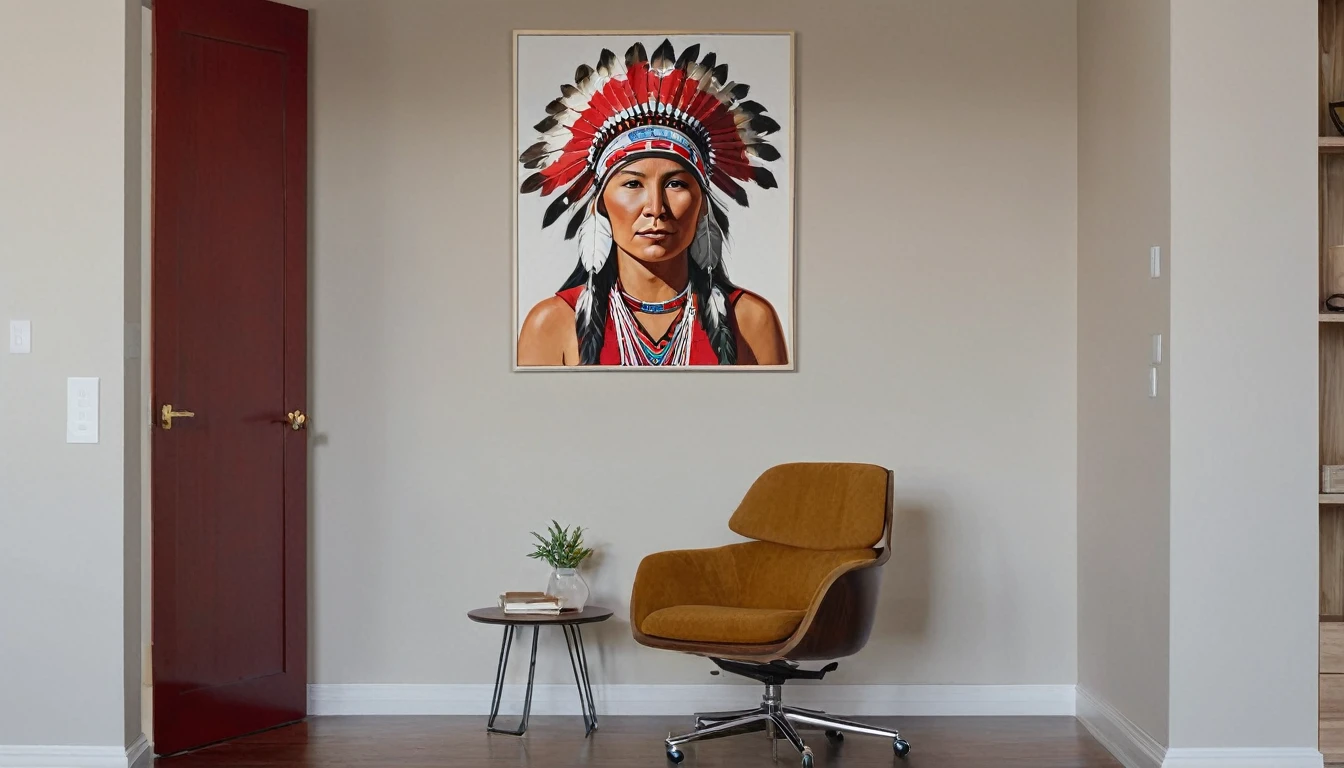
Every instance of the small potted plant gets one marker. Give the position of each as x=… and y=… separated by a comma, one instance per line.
x=564, y=551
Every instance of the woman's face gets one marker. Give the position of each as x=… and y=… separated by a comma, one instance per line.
x=654, y=206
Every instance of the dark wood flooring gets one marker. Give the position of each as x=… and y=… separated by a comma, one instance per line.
x=625, y=742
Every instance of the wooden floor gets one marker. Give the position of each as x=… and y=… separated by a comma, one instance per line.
x=621, y=742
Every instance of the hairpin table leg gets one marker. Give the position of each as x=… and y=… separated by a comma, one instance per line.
x=499, y=683
x=578, y=662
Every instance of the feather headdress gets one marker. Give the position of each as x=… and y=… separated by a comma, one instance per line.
x=623, y=109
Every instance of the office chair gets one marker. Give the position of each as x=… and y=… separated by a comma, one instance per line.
x=805, y=588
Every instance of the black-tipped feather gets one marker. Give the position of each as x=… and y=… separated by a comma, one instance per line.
x=546, y=125
x=766, y=152
x=635, y=55
x=721, y=73
x=764, y=178
x=762, y=124
x=533, y=153
x=749, y=108
x=739, y=91
x=664, y=56
x=605, y=63
x=720, y=215
x=532, y=183
x=709, y=61
x=572, y=229
x=556, y=107
x=731, y=188
x=555, y=210
x=568, y=91
x=581, y=76
x=687, y=56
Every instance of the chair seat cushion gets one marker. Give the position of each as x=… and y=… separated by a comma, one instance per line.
x=721, y=624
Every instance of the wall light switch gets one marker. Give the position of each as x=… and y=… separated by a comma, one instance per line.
x=1152, y=381
x=81, y=410
x=1157, y=349
x=20, y=337
x=1155, y=261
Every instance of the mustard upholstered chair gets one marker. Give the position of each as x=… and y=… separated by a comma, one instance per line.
x=805, y=588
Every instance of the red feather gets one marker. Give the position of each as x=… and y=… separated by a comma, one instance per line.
x=565, y=175
x=671, y=82
x=639, y=81
x=618, y=93
x=603, y=107
x=563, y=162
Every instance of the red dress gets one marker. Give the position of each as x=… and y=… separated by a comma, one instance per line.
x=701, y=351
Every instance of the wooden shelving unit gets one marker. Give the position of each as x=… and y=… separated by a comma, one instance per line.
x=1330, y=332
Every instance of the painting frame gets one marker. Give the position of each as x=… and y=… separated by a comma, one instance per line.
x=788, y=114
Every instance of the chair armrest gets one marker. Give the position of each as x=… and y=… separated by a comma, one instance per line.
x=681, y=577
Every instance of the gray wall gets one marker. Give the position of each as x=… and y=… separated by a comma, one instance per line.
x=69, y=194
x=1124, y=208
x=1243, y=373
x=936, y=282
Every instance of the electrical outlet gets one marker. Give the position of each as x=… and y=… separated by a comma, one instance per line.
x=20, y=337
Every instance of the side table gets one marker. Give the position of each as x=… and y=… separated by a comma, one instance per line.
x=569, y=622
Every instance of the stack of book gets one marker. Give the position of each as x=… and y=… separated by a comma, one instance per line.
x=519, y=603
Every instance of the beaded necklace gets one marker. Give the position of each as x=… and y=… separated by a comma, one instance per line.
x=635, y=345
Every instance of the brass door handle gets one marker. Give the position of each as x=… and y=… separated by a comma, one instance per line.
x=167, y=414
x=296, y=420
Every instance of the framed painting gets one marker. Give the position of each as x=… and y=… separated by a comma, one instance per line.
x=653, y=201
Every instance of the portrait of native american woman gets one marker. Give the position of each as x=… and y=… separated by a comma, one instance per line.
x=647, y=183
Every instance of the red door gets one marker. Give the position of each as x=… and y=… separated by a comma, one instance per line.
x=229, y=347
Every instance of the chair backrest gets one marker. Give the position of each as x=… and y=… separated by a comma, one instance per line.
x=816, y=506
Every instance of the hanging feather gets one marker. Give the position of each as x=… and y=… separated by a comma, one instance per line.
x=720, y=215
x=583, y=308
x=718, y=306
x=594, y=239
x=563, y=203
x=707, y=247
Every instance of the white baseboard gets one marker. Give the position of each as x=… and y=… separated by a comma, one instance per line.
x=76, y=757
x=910, y=700
x=1130, y=744
x=140, y=754
x=1243, y=758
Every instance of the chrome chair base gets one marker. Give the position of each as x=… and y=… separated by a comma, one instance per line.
x=782, y=722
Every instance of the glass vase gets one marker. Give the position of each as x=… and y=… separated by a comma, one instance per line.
x=569, y=586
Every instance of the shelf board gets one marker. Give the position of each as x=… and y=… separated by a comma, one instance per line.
x=1331, y=143
x=1328, y=618
x=1331, y=317
x=1332, y=498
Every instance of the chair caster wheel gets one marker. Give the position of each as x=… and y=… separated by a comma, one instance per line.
x=835, y=735
x=807, y=757
x=675, y=755
x=901, y=746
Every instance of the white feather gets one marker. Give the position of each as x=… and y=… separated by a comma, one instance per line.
x=594, y=240
x=584, y=306
x=718, y=307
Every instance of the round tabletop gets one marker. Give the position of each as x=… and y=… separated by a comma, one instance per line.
x=495, y=615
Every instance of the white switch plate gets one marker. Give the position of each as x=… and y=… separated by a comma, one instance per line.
x=1152, y=381
x=1155, y=261
x=20, y=337
x=81, y=410
x=1157, y=349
